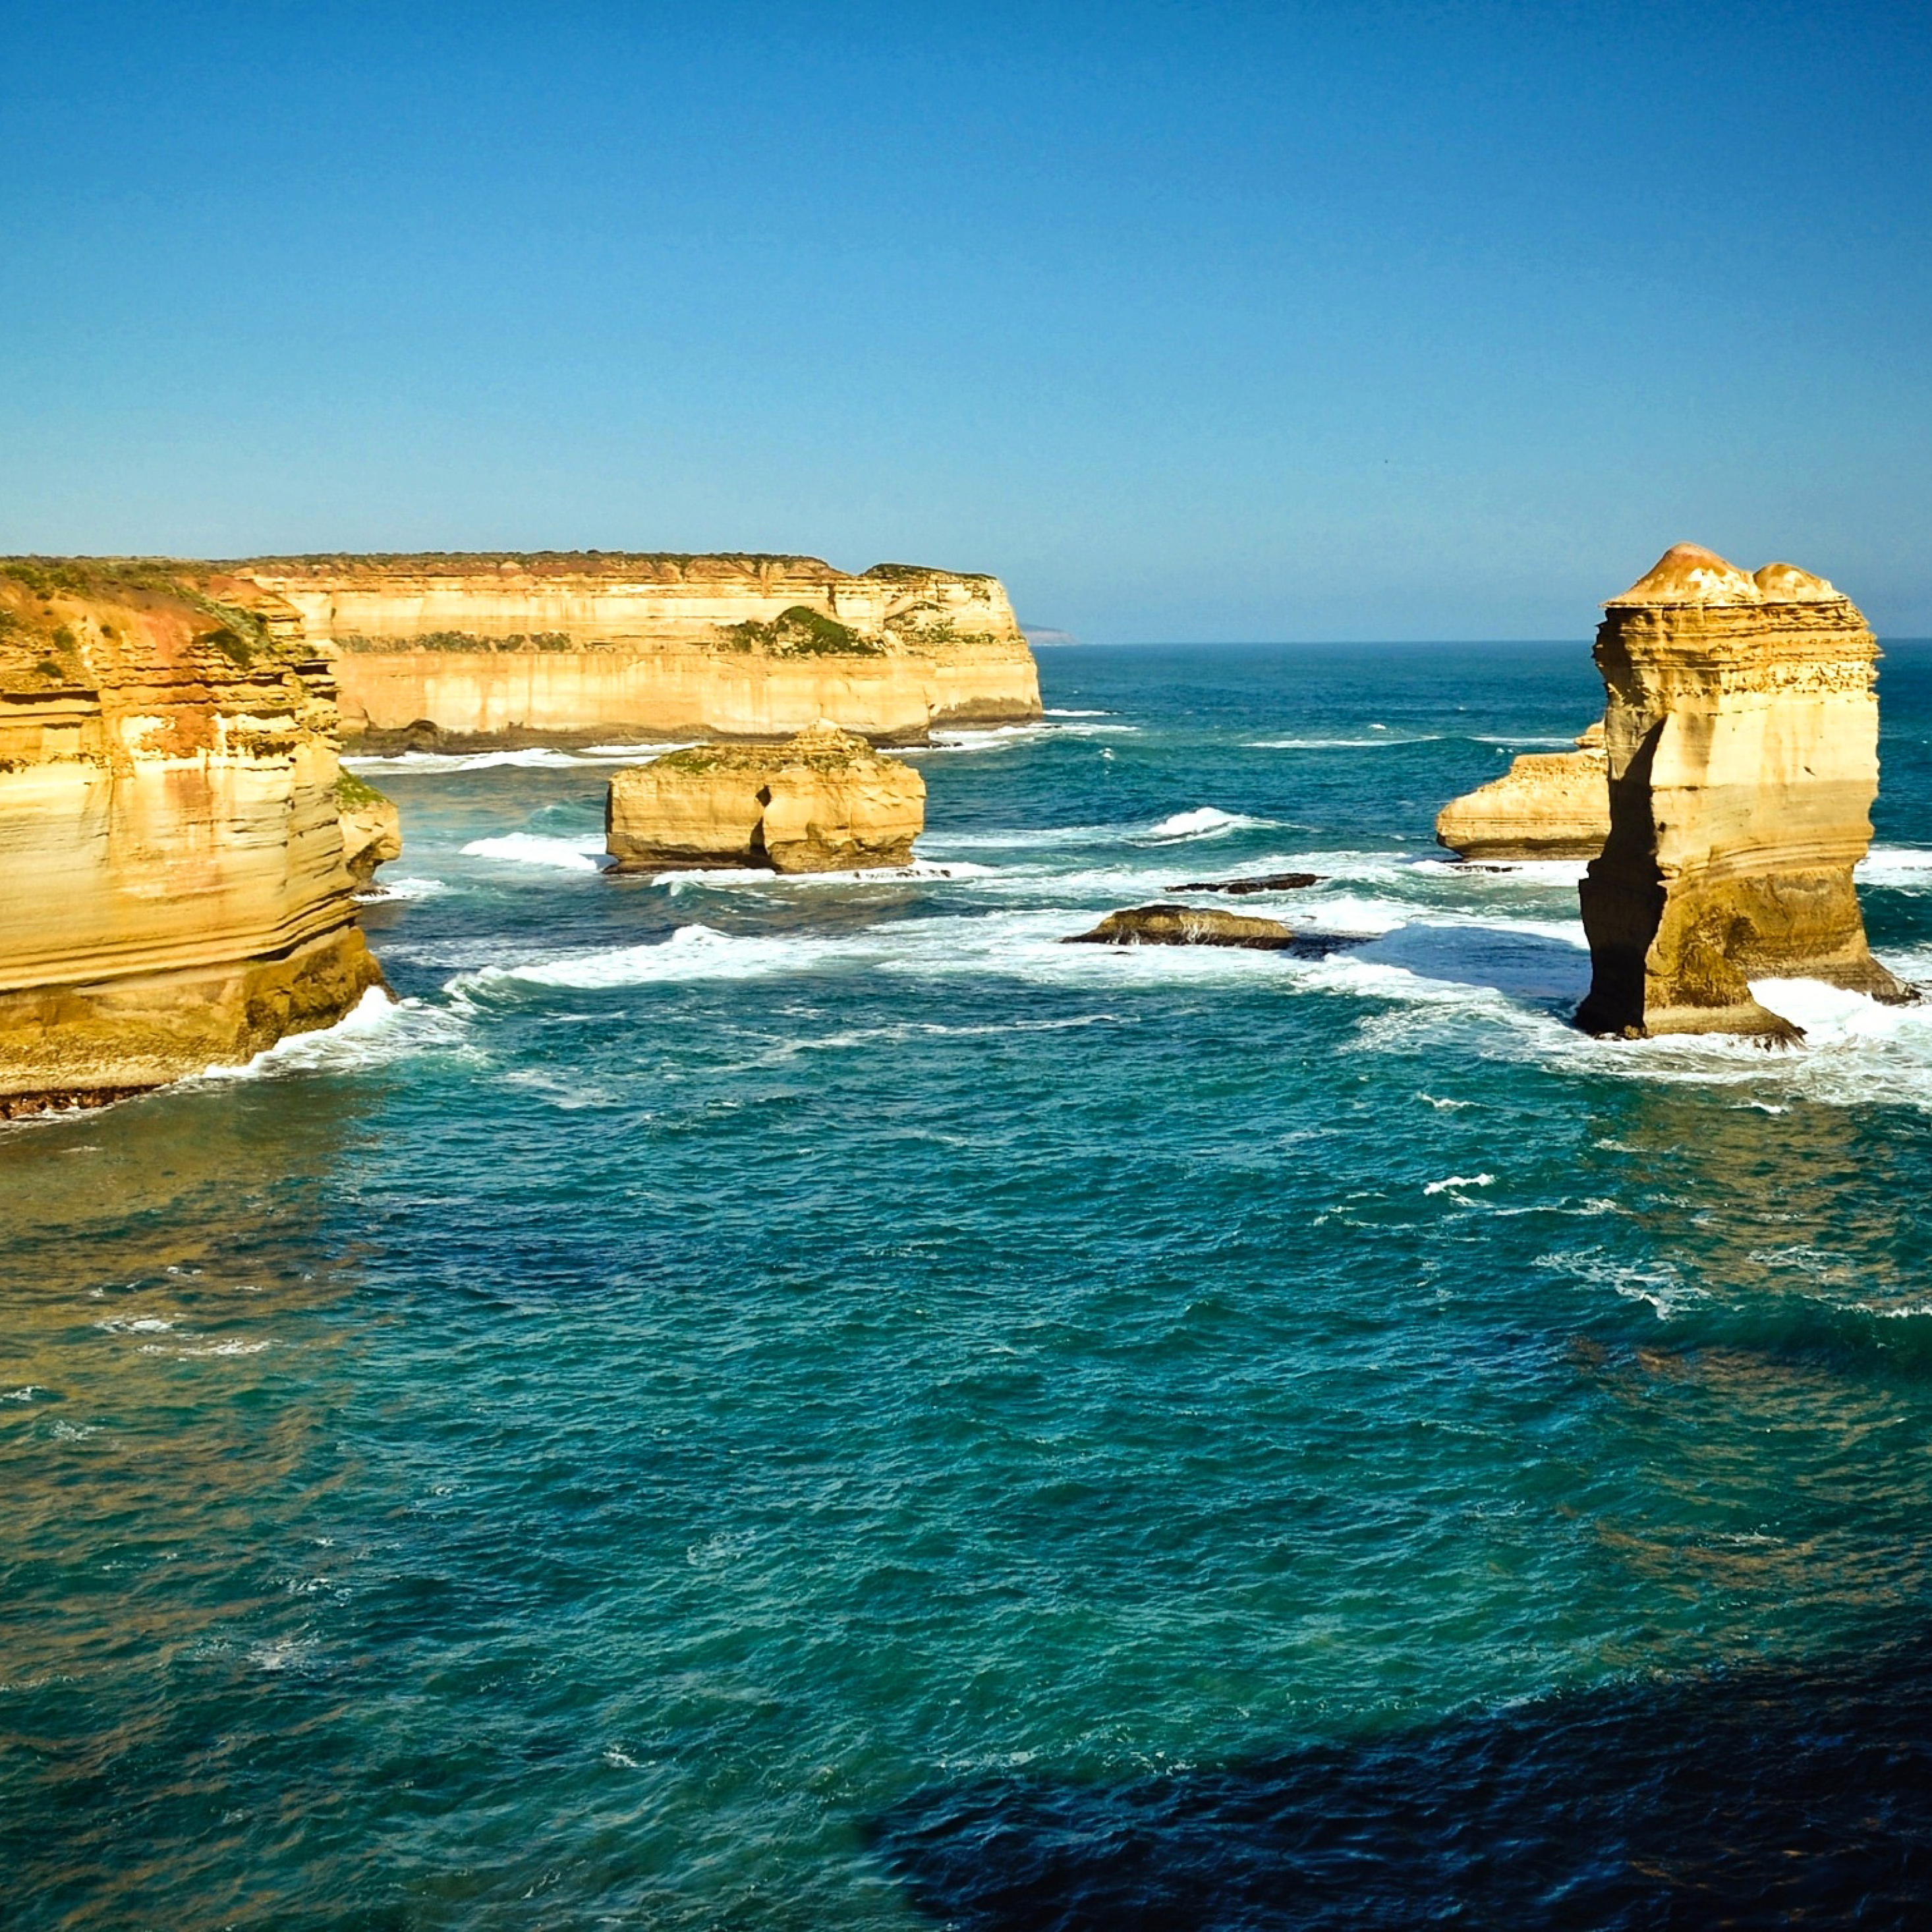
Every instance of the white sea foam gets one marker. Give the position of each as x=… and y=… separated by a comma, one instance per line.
x=1655, y=1282
x=378, y=1030
x=1056, y=711
x=726, y=878
x=691, y=953
x=402, y=888
x=602, y=752
x=1342, y=744
x=136, y=1325
x=1003, y=737
x=1205, y=821
x=1903, y=867
x=534, y=757
x=1520, y=742
x=578, y=854
x=1453, y=1180
x=1829, y=1015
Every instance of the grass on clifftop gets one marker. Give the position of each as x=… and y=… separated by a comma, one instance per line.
x=352, y=791
x=801, y=632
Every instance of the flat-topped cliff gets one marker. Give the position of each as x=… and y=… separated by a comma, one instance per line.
x=1548, y=804
x=171, y=866
x=576, y=644
x=1742, y=738
x=823, y=802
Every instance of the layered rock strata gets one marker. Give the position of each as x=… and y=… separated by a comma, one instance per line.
x=372, y=828
x=1548, y=804
x=823, y=802
x=1185, y=925
x=577, y=646
x=1742, y=738
x=171, y=865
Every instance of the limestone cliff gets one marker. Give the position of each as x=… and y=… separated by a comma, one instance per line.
x=1742, y=736
x=372, y=828
x=171, y=869
x=824, y=801
x=1548, y=804
x=589, y=644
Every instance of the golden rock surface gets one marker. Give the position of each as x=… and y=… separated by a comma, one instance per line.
x=823, y=802
x=173, y=894
x=1742, y=738
x=574, y=645
x=372, y=828
x=1548, y=804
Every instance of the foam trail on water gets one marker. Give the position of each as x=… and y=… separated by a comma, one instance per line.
x=376, y=1031
x=578, y=854
x=1205, y=821
x=1340, y=744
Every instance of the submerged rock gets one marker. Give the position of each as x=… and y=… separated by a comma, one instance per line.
x=823, y=802
x=372, y=828
x=1742, y=738
x=171, y=859
x=1185, y=925
x=1269, y=882
x=1548, y=804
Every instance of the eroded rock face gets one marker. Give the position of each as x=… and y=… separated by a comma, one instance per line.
x=372, y=828
x=823, y=802
x=578, y=645
x=1548, y=804
x=1742, y=737
x=171, y=869
x=1185, y=925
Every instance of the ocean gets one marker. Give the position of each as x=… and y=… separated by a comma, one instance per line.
x=752, y=1402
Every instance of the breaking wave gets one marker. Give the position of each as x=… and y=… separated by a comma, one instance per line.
x=578, y=854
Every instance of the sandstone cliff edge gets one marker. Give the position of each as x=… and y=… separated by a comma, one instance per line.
x=574, y=646
x=171, y=866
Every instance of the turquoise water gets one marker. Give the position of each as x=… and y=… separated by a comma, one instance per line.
x=749, y=1403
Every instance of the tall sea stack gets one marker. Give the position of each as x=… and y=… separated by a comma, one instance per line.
x=171, y=865
x=1742, y=736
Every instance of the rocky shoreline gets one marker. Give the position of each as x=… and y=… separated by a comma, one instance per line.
x=180, y=852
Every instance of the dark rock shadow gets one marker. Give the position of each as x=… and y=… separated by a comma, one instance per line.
x=1760, y=1798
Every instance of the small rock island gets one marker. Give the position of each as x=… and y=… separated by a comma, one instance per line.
x=1742, y=742
x=1548, y=804
x=822, y=802
x=1186, y=926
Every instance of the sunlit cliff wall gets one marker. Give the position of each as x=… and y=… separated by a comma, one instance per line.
x=173, y=894
x=575, y=644
x=1742, y=737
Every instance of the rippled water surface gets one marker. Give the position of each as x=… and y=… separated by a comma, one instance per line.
x=807, y=1403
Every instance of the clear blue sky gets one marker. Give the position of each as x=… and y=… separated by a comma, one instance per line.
x=1191, y=321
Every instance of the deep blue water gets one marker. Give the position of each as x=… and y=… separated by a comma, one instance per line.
x=801, y=1404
